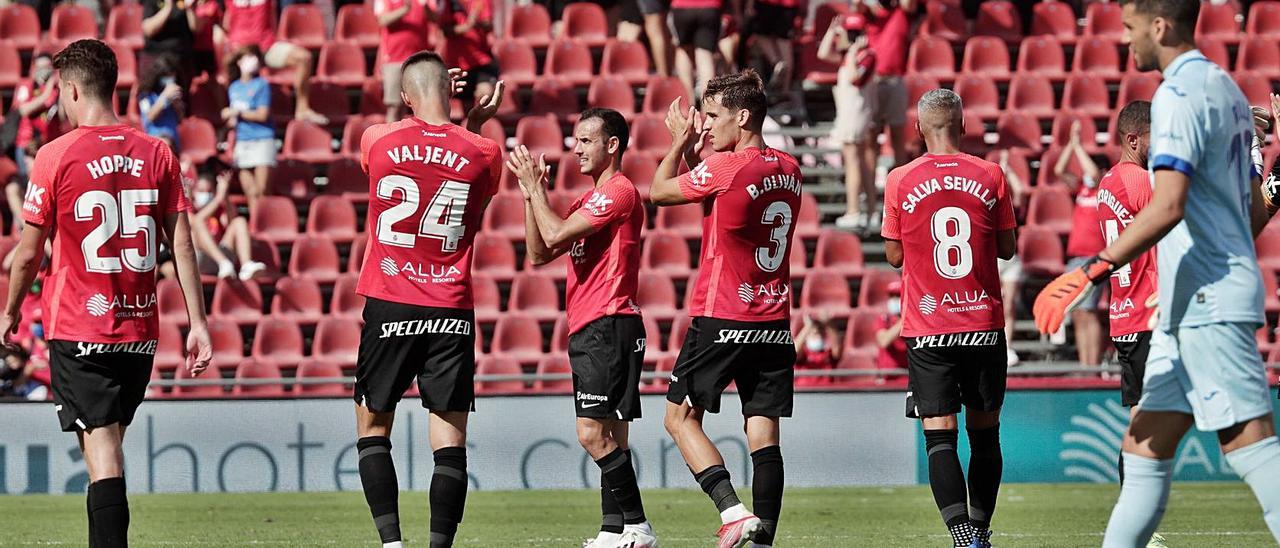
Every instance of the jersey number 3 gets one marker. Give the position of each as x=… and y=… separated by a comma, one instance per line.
x=770, y=257
x=952, y=255
x=442, y=219
x=118, y=216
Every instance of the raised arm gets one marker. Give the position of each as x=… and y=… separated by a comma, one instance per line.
x=665, y=189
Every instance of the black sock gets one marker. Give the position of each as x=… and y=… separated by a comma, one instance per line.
x=109, y=513
x=766, y=491
x=1121, y=468
x=986, y=464
x=610, y=512
x=715, y=483
x=946, y=478
x=616, y=466
x=448, y=494
x=88, y=510
x=381, y=490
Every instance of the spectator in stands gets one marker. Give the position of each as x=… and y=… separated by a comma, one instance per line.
x=404, y=32
x=250, y=116
x=467, y=25
x=160, y=100
x=208, y=38
x=697, y=30
x=35, y=103
x=893, y=348
x=217, y=235
x=1084, y=242
x=1011, y=274
x=170, y=29
x=844, y=43
x=817, y=348
x=648, y=17
x=772, y=25
x=252, y=23
x=889, y=31
x=20, y=375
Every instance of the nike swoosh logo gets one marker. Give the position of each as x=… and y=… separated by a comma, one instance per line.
x=585, y=406
x=1211, y=395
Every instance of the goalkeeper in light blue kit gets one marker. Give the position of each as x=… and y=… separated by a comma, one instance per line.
x=1207, y=205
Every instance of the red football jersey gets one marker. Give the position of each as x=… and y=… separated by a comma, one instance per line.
x=604, y=267
x=251, y=23
x=946, y=210
x=750, y=201
x=428, y=187
x=1122, y=193
x=105, y=193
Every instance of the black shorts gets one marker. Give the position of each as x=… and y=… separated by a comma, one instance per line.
x=96, y=384
x=476, y=75
x=759, y=357
x=400, y=343
x=947, y=371
x=1131, y=351
x=697, y=27
x=607, y=356
x=773, y=21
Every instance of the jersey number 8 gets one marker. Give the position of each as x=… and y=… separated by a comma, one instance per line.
x=952, y=255
x=442, y=220
x=118, y=216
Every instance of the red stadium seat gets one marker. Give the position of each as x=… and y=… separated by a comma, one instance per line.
x=661, y=91
x=355, y=256
x=666, y=253
x=541, y=135
x=346, y=303
x=570, y=60
x=124, y=25
x=169, y=347
x=337, y=340
x=320, y=369
x=874, y=292
x=315, y=257
x=1098, y=57
x=1218, y=21
x=827, y=292
x=357, y=24
x=808, y=219
x=207, y=99
x=626, y=60
x=20, y=26
x=932, y=55
x=505, y=217
x=809, y=67
x=917, y=86
x=979, y=95
x=517, y=337
x=560, y=336
x=326, y=98
x=684, y=220
x=1271, y=303
x=860, y=335
x=1259, y=55
x=347, y=179
x=1104, y=19
x=126, y=66
x=1042, y=56
x=570, y=179
x=292, y=179
x=303, y=25
x=353, y=131
x=268, y=255
x=1041, y=251
x=307, y=142
x=1256, y=87
x=71, y=22
x=1215, y=49
x=656, y=295
x=614, y=93
x=1018, y=163
x=825, y=12
x=1264, y=20
x=227, y=342
x=639, y=167
x=1019, y=130
x=555, y=365
x=649, y=134
x=1087, y=94
x=298, y=300
x=679, y=328
x=1268, y=245
x=10, y=66
x=486, y=298
x=342, y=63
x=333, y=217
x=841, y=252
x=209, y=391
x=494, y=131
x=1031, y=95
x=799, y=262
x=278, y=341
x=519, y=65
x=1137, y=86
x=1051, y=208
x=585, y=22
x=529, y=22
x=986, y=56
x=199, y=139
x=1000, y=19
x=1061, y=131
x=535, y=295
x=1055, y=19
x=493, y=255
x=237, y=301
x=945, y=21
x=274, y=219
x=255, y=369
x=499, y=365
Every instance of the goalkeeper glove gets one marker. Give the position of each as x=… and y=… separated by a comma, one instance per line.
x=1065, y=292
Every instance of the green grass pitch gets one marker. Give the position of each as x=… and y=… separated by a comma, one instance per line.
x=1200, y=514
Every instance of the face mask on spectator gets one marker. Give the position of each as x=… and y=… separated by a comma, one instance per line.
x=248, y=64
x=42, y=75
x=895, y=306
x=167, y=81
x=815, y=344
x=203, y=198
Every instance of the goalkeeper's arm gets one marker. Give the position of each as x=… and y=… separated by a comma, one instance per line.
x=1265, y=201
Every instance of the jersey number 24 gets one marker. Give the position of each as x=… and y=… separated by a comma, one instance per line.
x=442, y=219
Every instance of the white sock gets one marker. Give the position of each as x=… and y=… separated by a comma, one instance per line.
x=734, y=513
x=1259, y=465
x=1141, y=503
x=395, y=544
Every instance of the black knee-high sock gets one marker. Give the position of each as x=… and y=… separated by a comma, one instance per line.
x=986, y=464
x=88, y=510
x=716, y=484
x=621, y=477
x=766, y=491
x=381, y=490
x=109, y=513
x=946, y=478
x=610, y=512
x=448, y=494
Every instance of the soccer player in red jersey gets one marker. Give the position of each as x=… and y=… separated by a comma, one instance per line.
x=601, y=234
x=741, y=329
x=947, y=218
x=106, y=193
x=429, y=183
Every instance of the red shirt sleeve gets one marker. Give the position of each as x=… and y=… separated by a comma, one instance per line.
x=169, y=181
x=1004, y=204
x=709, y=178
x=371, y=136
x=611, y=203
x=889, y=227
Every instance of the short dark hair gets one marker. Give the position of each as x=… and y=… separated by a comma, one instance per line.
x=429, y=57
x=612, y=123
x=91, y=64
x=1183, y=13
x=743, y=90
x=1135, y=117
